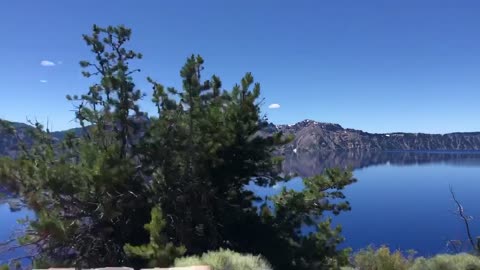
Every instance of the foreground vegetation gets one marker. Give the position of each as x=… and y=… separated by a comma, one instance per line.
x=367, y=259
x=139, y=190
x=384, y=259
x=225, y=259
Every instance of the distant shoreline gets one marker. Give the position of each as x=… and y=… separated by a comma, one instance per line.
x=477, y=152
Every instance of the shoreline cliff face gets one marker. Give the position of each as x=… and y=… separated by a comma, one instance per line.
x=312, y=136
x=9, y=144
x=316, y=138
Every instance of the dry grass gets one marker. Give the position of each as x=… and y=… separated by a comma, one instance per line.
x=225, y=260
x=384, y=259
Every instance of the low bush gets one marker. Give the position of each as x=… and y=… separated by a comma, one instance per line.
x=461, y=261
x=225, y=259
x=384, y=259
x=381, y=259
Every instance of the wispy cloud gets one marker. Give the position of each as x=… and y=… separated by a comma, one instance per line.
x=274, y=106
x=59, y=62
x=47, y=63
x=43, y=81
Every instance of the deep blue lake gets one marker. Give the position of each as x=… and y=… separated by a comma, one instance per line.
x=401, y=199
x=410, y=207
x=9, y=227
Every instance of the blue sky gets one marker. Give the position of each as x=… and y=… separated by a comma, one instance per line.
x=380, y=66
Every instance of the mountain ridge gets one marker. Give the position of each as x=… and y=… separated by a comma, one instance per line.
x=306, y=121
x=9, y=142
x=316, y=137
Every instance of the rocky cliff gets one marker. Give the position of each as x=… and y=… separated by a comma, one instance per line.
x=320, y=139
x=9, y=144
x=312, y=136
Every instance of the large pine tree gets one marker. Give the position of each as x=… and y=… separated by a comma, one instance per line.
x=181, y=174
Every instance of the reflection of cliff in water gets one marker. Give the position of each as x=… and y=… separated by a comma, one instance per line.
x=307, y=164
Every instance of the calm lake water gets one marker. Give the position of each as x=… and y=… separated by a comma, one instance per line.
x=401, y=199
x=8, y=227
x=410, y=207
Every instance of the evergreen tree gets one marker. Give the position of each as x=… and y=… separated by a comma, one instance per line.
x=204, y=147
x=158, y=252
x=184, y=173
x=89, y=194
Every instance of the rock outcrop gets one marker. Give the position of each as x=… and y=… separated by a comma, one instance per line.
x=312, y=136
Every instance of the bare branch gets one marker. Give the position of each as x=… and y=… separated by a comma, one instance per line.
x=19, y=258
x=133, y=71
x=7, y=242
x=454, y=244
x=461, y=213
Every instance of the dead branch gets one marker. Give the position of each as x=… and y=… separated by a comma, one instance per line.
x=461, y=213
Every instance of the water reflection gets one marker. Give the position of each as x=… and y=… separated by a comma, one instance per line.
x=11, y=211
x=308, y=164
x=402, y=199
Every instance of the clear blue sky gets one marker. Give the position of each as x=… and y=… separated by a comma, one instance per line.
x=379, y=66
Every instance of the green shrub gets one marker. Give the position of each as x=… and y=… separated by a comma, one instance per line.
x=225, y=259
x=384, y=259
x=381, y=259
x=448, y=262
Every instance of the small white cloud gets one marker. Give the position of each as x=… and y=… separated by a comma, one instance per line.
x=274, y=106
x=47, y=63
x=43, y=81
